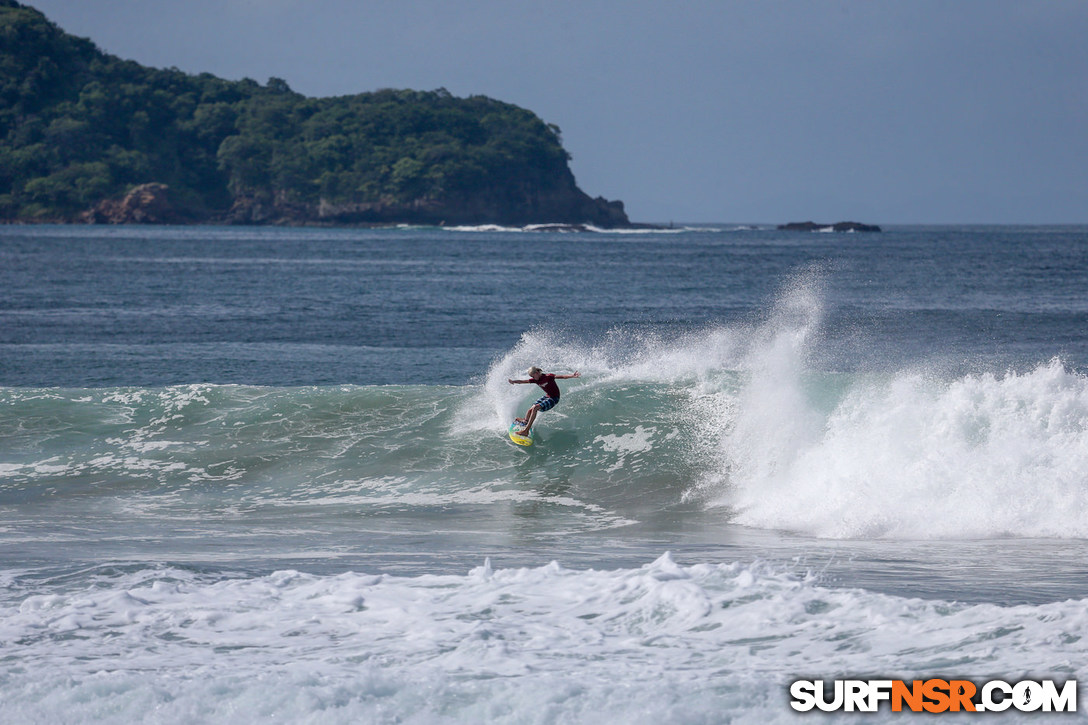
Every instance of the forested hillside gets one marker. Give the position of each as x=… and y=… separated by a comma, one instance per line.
x=80, y=129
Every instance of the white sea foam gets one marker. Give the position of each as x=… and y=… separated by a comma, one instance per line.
x=916, y=457
x=908, y=454
x=659, y=643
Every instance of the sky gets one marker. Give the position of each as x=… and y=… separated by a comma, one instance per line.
x=700, y=111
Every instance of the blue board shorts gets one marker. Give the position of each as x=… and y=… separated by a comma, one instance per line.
x=547, y=402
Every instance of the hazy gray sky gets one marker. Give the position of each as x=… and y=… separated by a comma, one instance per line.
x=905, y=111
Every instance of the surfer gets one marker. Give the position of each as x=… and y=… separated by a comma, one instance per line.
x=547, y=401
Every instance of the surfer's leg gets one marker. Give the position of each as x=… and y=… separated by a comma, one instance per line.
x=530, y=418
x=525, y=418
x=545, y=403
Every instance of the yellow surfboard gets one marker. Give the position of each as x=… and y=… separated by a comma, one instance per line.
x=517, y=437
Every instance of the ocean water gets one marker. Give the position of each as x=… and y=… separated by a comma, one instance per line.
x=254, y=475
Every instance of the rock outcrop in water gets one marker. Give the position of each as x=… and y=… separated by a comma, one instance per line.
x=86, y=136
x=836, y=227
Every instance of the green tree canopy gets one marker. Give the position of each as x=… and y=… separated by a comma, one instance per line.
x=78, y=126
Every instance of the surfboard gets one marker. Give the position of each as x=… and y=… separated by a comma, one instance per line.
x=518, y=437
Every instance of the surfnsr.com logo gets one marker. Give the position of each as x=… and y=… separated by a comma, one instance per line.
x=933, y=695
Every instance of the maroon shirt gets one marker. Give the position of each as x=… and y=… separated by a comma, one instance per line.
x=547, y=382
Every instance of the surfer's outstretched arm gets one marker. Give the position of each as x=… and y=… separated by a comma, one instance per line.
x=575, y=374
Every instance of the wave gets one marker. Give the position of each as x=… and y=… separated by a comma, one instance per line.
x=743, y=420
x=739, y=420
x=911, y=456
x=659, y=642
x=903, y=454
